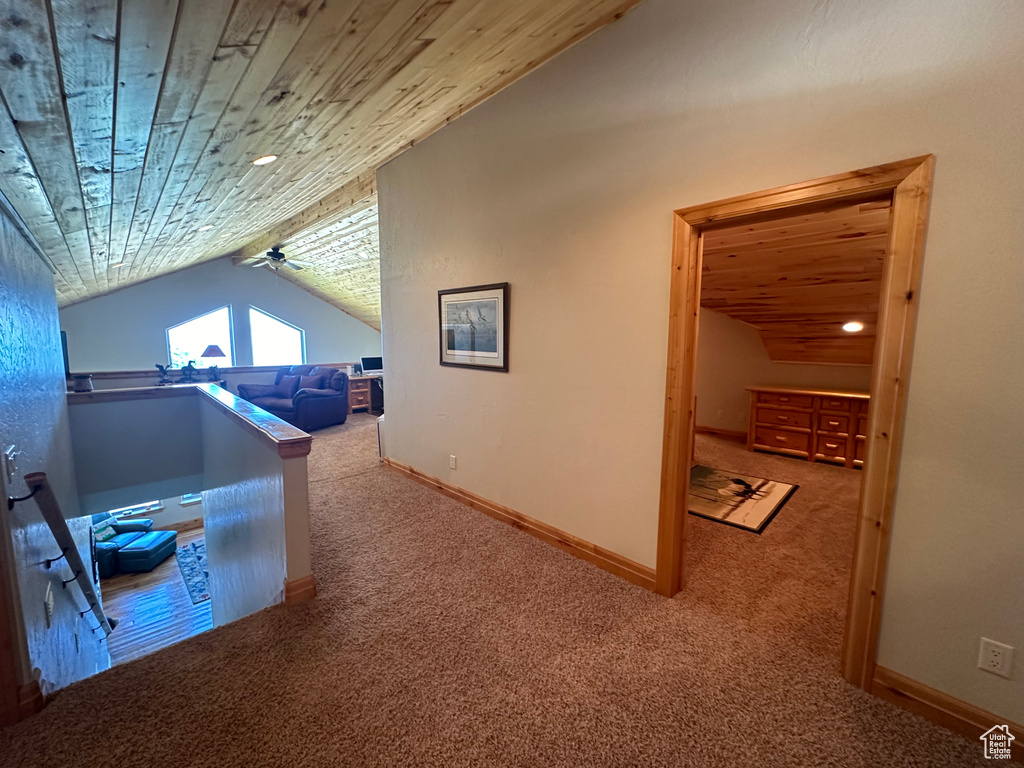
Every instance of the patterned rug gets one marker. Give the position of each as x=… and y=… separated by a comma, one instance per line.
x=740, y=500
x=192, y=562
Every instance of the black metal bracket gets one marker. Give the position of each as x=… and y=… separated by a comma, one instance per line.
x=49, y=563
x=64, y=584
x=12, y=500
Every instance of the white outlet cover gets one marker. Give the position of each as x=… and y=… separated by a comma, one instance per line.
x=995, y=657
x=452, y=462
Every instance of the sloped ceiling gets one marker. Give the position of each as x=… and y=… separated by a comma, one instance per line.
x=129, y=128
x=799, y=279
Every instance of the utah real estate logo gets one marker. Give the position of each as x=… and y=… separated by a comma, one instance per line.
x=997, y=742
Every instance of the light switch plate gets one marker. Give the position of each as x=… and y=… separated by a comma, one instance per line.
x=10, y=454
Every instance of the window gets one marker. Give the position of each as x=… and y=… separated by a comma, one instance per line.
x=188, y=499
x=190, y=339
x=139, y=509
x=275, y=342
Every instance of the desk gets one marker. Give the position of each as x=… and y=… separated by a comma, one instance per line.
x=365, y=393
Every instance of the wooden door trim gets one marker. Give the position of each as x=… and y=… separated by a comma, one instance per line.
x=909, y=184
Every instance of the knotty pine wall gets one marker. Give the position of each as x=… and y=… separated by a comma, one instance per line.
x=564, y=185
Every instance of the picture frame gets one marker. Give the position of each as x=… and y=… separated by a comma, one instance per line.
x=472, y=326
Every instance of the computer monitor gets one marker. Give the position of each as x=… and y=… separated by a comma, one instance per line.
x=372, y=365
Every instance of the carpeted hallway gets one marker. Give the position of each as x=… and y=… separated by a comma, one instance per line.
x=444, y=638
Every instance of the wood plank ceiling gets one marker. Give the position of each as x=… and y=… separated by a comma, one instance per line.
x=129, y=127
x=799, y=279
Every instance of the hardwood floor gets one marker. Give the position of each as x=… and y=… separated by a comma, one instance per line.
x=154, y=609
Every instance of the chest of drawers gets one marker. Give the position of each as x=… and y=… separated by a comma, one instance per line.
x=817, y=425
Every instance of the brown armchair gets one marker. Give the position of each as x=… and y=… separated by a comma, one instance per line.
x=308, y=396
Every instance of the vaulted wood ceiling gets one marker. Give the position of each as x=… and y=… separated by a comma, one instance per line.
x=799, y=279
x=128, y=127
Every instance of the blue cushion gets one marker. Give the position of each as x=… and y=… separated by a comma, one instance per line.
x=129, y=526
x=106, y=552
x=147, y=551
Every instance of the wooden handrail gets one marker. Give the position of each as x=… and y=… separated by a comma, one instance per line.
x=152, y=372
x=289, y=441
x=40, y=490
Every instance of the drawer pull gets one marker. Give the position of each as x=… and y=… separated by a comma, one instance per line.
x=833, y=446
x=780, y=438
x=782, y=418
x=833, y=423
x=783, y=399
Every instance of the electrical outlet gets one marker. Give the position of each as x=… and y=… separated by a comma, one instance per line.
x=995, y=657
x=452, y=462
x=721, y=414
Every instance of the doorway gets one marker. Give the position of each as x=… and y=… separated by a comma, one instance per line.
x=908, y=183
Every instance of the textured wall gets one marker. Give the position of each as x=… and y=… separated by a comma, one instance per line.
x=564, y=185
x=33, y=417
x=127, y=329
x=243, y=506
x=731, y=357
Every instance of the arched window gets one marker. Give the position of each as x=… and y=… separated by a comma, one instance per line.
x=275, y=342
x=187, y=341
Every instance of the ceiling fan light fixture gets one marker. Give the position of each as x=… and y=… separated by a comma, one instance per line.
x=264, y=160
x=853, y=326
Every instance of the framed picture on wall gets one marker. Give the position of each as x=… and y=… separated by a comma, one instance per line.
x=473, y=326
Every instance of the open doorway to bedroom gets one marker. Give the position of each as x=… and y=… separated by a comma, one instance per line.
x=787, y=322
x=907, y=186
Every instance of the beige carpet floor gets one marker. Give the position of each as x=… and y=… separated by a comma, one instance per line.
x=444, y=638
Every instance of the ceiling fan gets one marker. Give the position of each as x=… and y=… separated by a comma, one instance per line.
x=275, y=260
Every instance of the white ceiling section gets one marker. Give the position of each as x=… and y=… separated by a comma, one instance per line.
x=128, y=129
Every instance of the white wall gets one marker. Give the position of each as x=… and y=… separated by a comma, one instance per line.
x=34, y=419
x=564, y=185
x=126, y=329
x=731, y=357
x=131, y=451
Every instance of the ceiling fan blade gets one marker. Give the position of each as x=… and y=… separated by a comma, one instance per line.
x=259, y=262
x=292, y=265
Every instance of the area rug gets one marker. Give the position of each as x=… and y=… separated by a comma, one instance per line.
x=740, y=500
x=192, y=562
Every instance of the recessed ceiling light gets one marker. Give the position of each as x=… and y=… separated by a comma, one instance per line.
x=205, y=228
x=853, y=326
x=265, y=160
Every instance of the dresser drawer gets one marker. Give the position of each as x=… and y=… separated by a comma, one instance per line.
x=358, y=385
x=359, y=399
x=828, y=422
x=862, y=425
x=785, y=418
x=859, y=450
x=776, y=438
x=836, y=404
x=831, y=447
x=790, y=400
